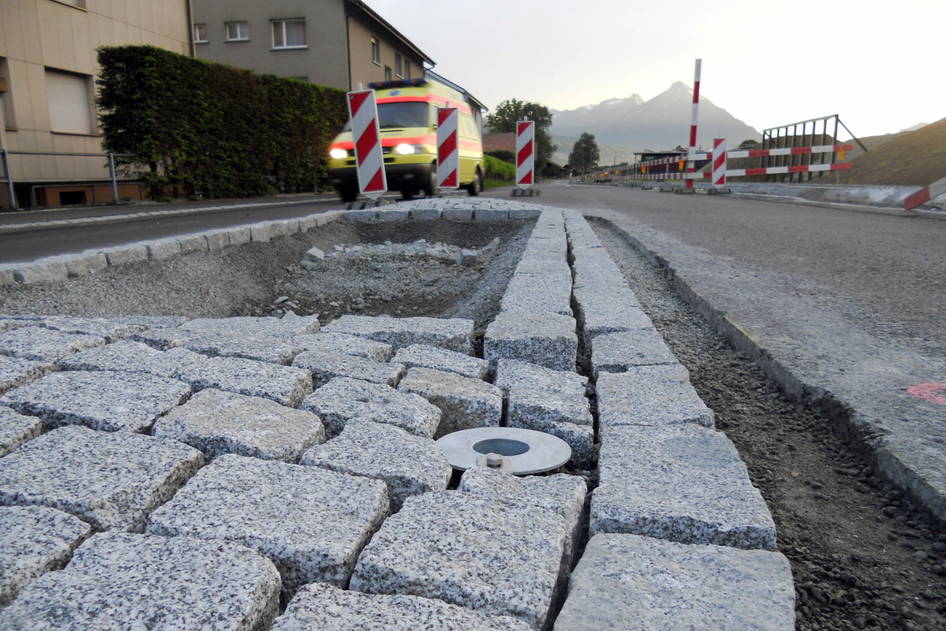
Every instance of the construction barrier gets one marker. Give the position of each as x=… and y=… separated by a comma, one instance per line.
x=925, y=194
x=525, y=154
x=691, y=165
x=363, y=113
x=719, y=161
x=448, y=153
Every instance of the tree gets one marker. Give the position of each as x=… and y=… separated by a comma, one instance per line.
x=503, y=120
x=749, y=143
x=585, y=154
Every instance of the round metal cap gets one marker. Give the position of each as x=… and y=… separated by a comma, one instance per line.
x=527, y=451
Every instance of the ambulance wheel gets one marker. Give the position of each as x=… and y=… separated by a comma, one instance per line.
x=407, y=194
x=476, y=185
x=430, y=186
x=348, y=194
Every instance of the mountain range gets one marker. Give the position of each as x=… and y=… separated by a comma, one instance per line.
x=624, y=125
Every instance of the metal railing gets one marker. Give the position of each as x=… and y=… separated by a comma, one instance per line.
x=8, y=173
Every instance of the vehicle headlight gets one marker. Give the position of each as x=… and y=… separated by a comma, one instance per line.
x=338, y=154
x=404, y=149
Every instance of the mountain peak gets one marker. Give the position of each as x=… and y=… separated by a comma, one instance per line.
x=636, y=99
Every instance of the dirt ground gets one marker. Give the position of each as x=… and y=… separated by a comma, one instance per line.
x=861, y=556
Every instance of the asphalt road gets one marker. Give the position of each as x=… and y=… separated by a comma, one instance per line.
x=36, y=242
x=849, y=302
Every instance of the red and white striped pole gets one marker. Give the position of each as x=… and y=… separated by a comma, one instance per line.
x=448, y=153
x=719, y=162
x=363, y=111
x=525, y=154
x=691, y=164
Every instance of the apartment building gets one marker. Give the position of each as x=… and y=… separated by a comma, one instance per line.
x=48, y=69
x=339, y=43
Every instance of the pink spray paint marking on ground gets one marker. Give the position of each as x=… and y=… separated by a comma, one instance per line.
x=934, y=392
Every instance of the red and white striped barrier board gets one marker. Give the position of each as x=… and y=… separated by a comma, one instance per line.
x=693, y=120
x=363, y=111
x=525, y=154
x=925, y=194
x=800, y=168
x=788, y=151
x=719, y=161
x=448, y=152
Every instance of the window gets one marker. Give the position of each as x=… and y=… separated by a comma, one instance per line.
x=238, y=31
x=398, y=65
x=375, y=51
x=200, y=33
x=70, y=102
x=387, y=73
x=289, y=33
x=407, y=69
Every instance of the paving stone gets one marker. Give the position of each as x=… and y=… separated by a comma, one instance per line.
x=425, y=214
x=547, y=339
x=107, y=328
x=287, y=326
x=163, y=249
x=408, y=464
x=457, y=214
x=283, y=384
x=496, y=558
x=454, y=334
x=491, y=214
x=641, y=584
x=312, y=523
x=217, y=239
x=240, y=236
x=103, y=400
x=393, y=214
x=327, y=365
x=126, y=581
x=608, y=310
x=124, y=356
x=617, y=352
x=550, y=401
x=42, y=344
x=524, y=213
x=326, y=608
x=16, y=372
x=463, y=402
x=359, y=216
x=152, y=322
x=262, y=232
x=9, y=325
x=218, y=422
x=122, y=254
x=85, y=263
x=109, y=479
x=16, y=429
x=548, y=292
x=7, y=275
x=192, y=243
x=34, y=540
x=348, y=344
x=561, y=493
x=48, y=270
x=688, y=484
x=262, y=348
x=649, y=395
x=441, y=359
x=343, y=399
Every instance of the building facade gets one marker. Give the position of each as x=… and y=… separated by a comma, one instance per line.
x=343, y=44
x=48, y=68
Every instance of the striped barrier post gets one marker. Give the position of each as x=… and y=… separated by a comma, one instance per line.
x=719, y=162
x=448, y=153
x=925, y=194
x=693, y=121
x=363, y=112
x=525, y=154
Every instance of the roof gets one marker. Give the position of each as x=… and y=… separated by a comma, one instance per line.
x=359, y=7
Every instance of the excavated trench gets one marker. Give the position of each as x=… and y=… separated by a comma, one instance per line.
x=862, y=557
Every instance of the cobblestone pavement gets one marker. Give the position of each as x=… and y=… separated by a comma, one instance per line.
x=238, y=473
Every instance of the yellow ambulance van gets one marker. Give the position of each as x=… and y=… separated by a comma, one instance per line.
x=407, y=113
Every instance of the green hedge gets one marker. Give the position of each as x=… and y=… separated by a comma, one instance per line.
x=497, y=169
x=210, y=130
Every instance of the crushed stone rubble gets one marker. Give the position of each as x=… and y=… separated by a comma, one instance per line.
x=248, y=472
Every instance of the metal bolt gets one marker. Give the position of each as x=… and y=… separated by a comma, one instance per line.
x=494, y=461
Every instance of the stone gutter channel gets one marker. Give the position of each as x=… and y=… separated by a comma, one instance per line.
x=255, y=473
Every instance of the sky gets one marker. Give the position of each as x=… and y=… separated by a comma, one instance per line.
x=879, y=65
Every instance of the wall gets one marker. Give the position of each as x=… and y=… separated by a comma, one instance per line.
x=324, y=60
x=363, y=69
